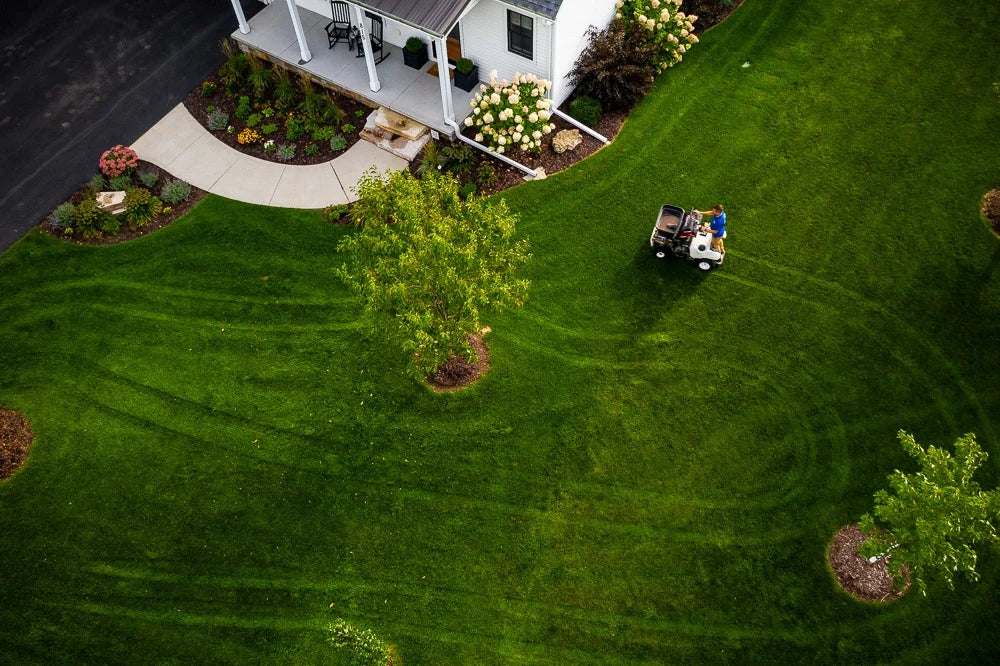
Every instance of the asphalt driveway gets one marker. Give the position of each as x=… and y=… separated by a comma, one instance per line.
x=77, y=78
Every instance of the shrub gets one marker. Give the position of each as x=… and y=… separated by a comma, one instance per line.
x=660, y=23
x=414, y=44
x=311, y=149
x=149, y=178
x=267, y=112
x=359, y=113
x=253, y=120
x=430, y=159
x=208, y=89
x=338, y=142
x=90, y=220
x=247, y=136
x=323, y=133
x=365, y=647
x=613, y=69
x=269, y=146
x=486, y=175
x=141, y=207
x=97, y=182
x=347, y=128
x=294, y=128
x=464, y=66
x=118, y=160
x=237, y=66
x=457, y=159
x=243, y=109
x=586, y=109
x=218, y=120
x=118, y=183
x=285, y=93
x=269, y=128
x=260, y=77
x=64, y=214
x=175, y=191
x=285, y=152
x=334, y=214
x=506, y=114
x=467, y=190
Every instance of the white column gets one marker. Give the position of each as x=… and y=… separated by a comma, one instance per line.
x=444, y=79
x=241, y=17
x=373, y=81
x=300, y=35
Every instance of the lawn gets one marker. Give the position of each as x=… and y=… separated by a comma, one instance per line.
x=226, y=460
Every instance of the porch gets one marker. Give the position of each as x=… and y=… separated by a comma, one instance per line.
x=407, y=91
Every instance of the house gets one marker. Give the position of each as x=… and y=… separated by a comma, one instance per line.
x=543, y=37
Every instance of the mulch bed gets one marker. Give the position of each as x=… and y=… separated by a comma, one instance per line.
x=859, y=578
x=457, y=373
x=991, y=209
x=355, y=113
x=15, y=440
x=126, y=233
x=709, y=12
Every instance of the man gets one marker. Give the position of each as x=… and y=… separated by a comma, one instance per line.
x=717, y=226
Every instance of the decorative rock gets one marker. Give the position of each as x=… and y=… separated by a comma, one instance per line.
x=112, y=202
x=566, y=140
x=539, y=174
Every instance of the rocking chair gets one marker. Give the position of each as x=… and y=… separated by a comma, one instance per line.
x=375, y=37
x=339, y=29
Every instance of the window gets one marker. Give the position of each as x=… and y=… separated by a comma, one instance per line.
x=520, y=34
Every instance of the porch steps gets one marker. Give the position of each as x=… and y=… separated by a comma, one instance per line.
x=397, y=134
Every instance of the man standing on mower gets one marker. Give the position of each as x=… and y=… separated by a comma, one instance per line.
x=717, y=227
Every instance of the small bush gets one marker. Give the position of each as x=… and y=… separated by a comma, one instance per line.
x=285, y=152
x=63, y=216
x=141, y=207
x=430, y=159
x=467, y=190
x=122, y=182
x=414, y=44
x=347, y=128
x=294, y=128
x=208, y=89
x=218, y=120
x=149, y=178
x=269, y=128
x=267, y=112
x=243, y=109
x=118, y=160
x=233, y=87
x=365, y=647
x=260, y=77
x=269, y=146
x=614, y=69
x=333, y=214
x=285, y=93
x=359, y=113
x=311, y=149
x=586, y=109
x=486, y=175
x=323, y=133
x=253, y=120
x=97, y=182
x=175, y=191
x=464, y=65
x=458, y=159
x=90, y=220
x=338, y=142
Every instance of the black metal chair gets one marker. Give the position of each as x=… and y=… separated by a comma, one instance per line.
x=375, y=37
x=339, y=29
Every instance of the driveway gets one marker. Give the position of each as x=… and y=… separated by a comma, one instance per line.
x=77, y=78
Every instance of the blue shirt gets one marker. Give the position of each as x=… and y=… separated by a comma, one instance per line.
x=718, y=225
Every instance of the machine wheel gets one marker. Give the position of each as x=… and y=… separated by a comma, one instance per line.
x=661, y=254
x=705, y=265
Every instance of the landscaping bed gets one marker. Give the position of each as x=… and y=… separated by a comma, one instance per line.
x=15, y=440
x=857, y=576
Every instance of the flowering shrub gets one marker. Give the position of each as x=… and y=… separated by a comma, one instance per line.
x=247, y=136
x=507, y=114
x=663, y=24
x=118, y=160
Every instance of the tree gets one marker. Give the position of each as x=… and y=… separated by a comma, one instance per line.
x=428, y=265
x=932, y=519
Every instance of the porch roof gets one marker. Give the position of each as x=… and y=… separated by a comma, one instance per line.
x=434, y=16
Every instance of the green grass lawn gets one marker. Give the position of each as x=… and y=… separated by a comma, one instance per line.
x=226, y=460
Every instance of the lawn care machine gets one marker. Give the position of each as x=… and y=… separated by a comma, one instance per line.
x=679, y=234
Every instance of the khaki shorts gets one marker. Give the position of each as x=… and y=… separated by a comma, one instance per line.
x=718, y=245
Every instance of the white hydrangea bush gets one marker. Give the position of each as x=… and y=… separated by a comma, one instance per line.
x=509, y=115
x=670, y=29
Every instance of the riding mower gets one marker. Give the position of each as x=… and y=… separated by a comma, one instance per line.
x=679, y=234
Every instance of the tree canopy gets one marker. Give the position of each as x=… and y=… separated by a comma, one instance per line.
x=429, y=265
x=933, y=518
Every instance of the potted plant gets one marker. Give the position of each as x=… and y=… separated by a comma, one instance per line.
x=466, y=74
x=415, y=52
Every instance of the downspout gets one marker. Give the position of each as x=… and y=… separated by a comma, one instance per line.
x=475, y=144
x=300, y=34
x=241, y=17
x=552, y=54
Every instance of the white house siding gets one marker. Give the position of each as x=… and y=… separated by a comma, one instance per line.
x=572, y=21
x=484, y=41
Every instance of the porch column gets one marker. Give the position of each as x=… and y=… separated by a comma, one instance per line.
x=444, y=79
x=366, y=42
x=300, y=35
x=241, y=17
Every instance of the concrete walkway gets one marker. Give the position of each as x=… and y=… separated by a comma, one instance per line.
x=185, y=148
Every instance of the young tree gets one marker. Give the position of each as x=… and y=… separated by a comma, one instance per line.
x=428, y=265
x=932, y=519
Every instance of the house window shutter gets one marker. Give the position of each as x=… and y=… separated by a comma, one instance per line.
x=520, y=34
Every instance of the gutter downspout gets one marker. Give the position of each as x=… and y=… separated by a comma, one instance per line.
x=300, y=34
x=552, y=56
x=475, y=144
x=241, y=17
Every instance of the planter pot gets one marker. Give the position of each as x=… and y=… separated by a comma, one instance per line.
x=467, y=81
x=415, y=59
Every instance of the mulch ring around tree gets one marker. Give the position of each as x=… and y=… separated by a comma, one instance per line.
x=457, y=373
x=15, y=440
x=859, y=578
x=991, y=209
x=127, y=233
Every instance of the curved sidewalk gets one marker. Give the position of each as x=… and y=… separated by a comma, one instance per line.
x=182, y=146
